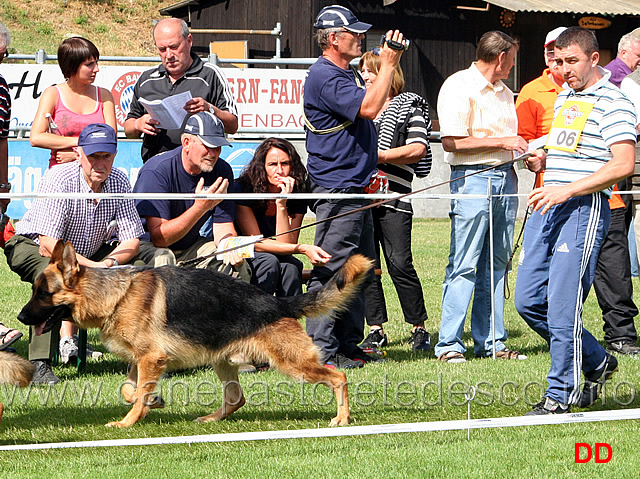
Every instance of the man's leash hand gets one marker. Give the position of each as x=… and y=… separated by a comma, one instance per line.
x=537, y=162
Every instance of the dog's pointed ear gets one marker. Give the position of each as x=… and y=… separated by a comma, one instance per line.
x=69, y=265
x=56, y=255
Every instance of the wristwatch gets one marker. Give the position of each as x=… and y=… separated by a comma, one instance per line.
x=212, y=110
x=5, y=186
x=115, y=261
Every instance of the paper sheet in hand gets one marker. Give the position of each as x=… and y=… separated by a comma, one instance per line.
x=170, y=111
x=533, y=146
x=244, y=251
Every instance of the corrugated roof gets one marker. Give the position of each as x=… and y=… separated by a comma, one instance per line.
x=599, y=7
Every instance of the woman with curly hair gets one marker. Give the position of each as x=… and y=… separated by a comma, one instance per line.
x=276, y=168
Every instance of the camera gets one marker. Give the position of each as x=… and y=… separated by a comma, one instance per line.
x=395, y=45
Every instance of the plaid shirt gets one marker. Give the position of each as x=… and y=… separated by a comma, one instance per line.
x=83, y=222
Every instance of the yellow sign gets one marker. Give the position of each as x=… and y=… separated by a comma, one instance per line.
x=594, y=23
x=568, y=125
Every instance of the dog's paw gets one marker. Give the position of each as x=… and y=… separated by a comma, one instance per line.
x=118, y=424
x=339, y=421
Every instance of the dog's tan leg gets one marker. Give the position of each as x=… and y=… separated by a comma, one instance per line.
x=150, y=368
x=291, y=351
x=129, y=387
x=232, y=397
x=1, y=411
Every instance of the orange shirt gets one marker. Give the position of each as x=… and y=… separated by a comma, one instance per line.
x=615, y=201
x=534, y=107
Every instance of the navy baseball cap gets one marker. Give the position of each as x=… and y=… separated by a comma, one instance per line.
x=98, y=137
x=208, y=127
x=336, y=16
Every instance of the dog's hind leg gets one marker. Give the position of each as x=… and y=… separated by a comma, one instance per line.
x=232, y=397
x=291, y=351
x=149, y=369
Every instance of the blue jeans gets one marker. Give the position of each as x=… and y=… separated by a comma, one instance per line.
x=468, y=271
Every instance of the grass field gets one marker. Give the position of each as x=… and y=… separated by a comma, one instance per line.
x=407, y=388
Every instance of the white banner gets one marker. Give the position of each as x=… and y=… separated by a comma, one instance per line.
x=267, y=99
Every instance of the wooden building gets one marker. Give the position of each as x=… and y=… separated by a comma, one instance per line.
x=444, y=34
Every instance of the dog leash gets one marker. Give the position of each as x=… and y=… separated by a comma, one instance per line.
x=198, y=259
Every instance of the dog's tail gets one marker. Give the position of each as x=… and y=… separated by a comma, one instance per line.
x=15, y=370
x=335, y=295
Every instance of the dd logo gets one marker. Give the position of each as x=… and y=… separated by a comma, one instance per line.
x=598, y=457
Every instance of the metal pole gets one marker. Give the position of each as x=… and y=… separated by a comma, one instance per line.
x=491, y=282
x=41, y=57
x=278, y=39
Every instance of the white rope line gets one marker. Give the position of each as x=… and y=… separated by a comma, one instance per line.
x=257, y=196
x=549, y=419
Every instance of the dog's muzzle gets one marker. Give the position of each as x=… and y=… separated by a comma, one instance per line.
x=54, y=316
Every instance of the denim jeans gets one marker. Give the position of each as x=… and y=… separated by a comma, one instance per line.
x=468, y=271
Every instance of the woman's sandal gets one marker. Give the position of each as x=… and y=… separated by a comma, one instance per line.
x=452, y=357
x=5, y=344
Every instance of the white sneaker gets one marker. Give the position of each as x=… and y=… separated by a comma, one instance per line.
x=68, y=350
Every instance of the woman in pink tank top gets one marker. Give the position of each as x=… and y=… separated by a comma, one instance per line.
x=65, y=109
x=63, y=112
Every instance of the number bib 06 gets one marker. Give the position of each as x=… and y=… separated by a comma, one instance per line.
x=568, y=125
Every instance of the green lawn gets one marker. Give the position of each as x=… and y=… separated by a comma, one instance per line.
x=407, y=388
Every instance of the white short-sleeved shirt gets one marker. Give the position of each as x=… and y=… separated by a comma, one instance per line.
x=468, y=105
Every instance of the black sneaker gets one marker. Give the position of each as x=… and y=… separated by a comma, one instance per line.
x=420, y=340
x=374, y=340
x=360, y=355
x=625, y=346
x=593, y=381
x=340, y=361
x=548, y=406
x=43, y=373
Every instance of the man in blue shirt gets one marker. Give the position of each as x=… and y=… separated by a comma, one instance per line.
x=172, y=227
x=342, y=147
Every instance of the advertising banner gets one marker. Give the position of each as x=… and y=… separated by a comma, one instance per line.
x=267, y=99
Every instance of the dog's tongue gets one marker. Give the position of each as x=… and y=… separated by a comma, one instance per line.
x=38, y=329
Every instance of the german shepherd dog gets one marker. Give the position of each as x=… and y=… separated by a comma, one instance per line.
x=167, y=318
x=14, y=370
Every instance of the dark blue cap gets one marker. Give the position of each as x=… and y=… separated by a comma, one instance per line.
x=337, y=16
x=208, y=127
x=98, y=137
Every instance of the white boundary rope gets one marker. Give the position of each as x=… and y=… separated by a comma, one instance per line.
x=549, y=419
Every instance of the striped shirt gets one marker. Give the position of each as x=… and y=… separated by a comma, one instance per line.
x=405, y=121
x=468, y=105
x=5, y=108
x=83, y=222
x=611, y=121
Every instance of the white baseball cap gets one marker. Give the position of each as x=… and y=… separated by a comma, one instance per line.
x=553, y=35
